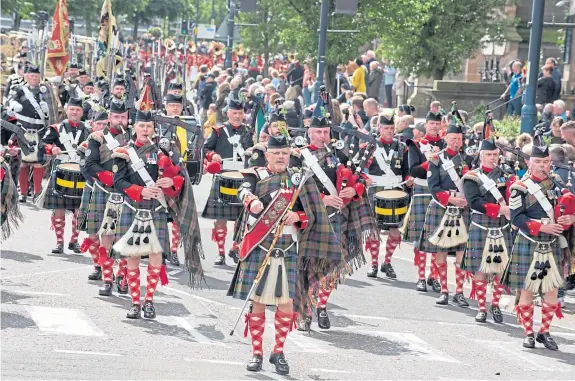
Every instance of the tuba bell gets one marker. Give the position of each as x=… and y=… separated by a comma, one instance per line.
x=191, y=47
x=217, y=48
x=291, y=57
x=169, y=44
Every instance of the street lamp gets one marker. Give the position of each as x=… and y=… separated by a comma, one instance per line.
x=492, y=51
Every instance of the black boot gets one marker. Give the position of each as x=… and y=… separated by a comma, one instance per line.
x=106, y=289
x=460, y=301
x=96, y=274
x=22, y=198
x=322, y=319
x=174, y=260
x=481, y=317
x=443, y=299
x=421, y=286
x=220, y=261
x=75, y=247
x=436, y=286
x=547, y=340
x=529, y=341
x=119, y=281
x=134, y=312
x=387, y=269
x=279, y=360
x=235, y=255
x=373, y=272
x=496, y=314
x=305, y=324
x=149, y=310
x=255, y=364
x=58, y=249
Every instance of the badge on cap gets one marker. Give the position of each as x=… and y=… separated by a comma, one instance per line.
x=88, y=152
x=43, y=89
x=299, y=141
x=115, y=168
x=339, y=144
x=428, y=173
x=255, y=156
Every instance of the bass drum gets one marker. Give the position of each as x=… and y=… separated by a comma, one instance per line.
x=191, y=149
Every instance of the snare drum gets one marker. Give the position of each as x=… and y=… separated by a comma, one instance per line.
x=69, y=180
x=229, y=185
x=195, y=170
x=390, y=208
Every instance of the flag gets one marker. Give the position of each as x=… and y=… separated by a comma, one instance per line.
x=58, y=46
x=107, y=29
x=146, y=103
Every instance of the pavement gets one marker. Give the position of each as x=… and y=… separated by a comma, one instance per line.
x=55, y=326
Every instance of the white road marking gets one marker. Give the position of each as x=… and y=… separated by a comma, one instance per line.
x=330, y=370
x=222, y=362
x=24, y=292
x=88, y=353
x=174, y=272
x=65, y=321
x=362, y=317
x=47, y=272
x=200, y=298
x=191, y=328
x=305, y=343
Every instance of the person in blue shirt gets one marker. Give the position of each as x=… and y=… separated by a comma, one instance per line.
x=515, y=89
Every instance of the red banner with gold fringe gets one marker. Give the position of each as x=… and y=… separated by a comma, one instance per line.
x=58, y=45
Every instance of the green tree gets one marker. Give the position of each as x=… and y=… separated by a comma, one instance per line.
x=432, y=37
x=25, y=9
x=87, y=10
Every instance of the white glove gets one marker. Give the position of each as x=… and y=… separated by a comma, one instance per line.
x=44, y=107
x=15, y=106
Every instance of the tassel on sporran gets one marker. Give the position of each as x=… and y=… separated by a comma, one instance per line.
x=495, y=255
x=543, y=274
x=141, y=239
x=451, y=231
x=272, y=288
x=112, y=214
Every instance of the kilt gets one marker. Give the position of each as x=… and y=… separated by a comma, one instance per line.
x=55, y=201
x=83, y=211
x=160, y=218
x=96, y=208
x=216, y=210
x=248, y=269
x=522, y=255
x=477, y=238
x=433, y=218
x=371, y=191
x=419, y=203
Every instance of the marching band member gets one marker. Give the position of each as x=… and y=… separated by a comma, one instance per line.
x=487, y=249
x=418, y=158
x=388, y=169
x=445, y=227
x=303, y=236
x=225, y=146
x=61, y=141
x=106, y=203
x=535, y=263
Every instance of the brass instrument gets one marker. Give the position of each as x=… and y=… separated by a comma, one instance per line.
x=239, y=49
x=192, y=47
x=169, y=44
x=291, y=57
x=217, y=48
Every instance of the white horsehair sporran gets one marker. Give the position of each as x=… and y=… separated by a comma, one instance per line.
x=141, y=238
x=451, y=231
x=272, y=288
x=495, y=256
x=112, y=214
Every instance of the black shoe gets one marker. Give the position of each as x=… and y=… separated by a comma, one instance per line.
x=443, y=299
x=305, y=325
x=547, y=340
x=134, y=312
x=436, y=286
x=58, y=249
x=529, y=342
x=106, y=289
x=373, y=272
x=174, y=260
x=235, y=255
x=430, y=281
x=96, y=274
x=387, y=269
x=22, y=198
x=322, y=319
x=75, y=247
x=460, y=301
x=119, y=281
x=481, y=317
x=279, y=360
x=421, y=286
x=149, y=310
x=496, y=314
x=255, y=364
x=220, y=261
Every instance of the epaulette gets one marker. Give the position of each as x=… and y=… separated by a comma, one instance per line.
x=434, y=159
x=97, y=136
x=519, y=186
x=82, y=147
x=260, y=146
x=295, y=152
x=121, y=153
x=471, y=175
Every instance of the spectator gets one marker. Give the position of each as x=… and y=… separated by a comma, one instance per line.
x=221, y=104
x=419, y=130
x=404, y=127
x=207, y=94
x=546, y=86
x=374, y=81
x=295, y=74
x=292, y=95
x=358, y=112
x=292, y=117
x=371, y=107
x=568, y=132
x=358, y=77
x=210, y=121
x=275, y=78
x=405, y=110
x=559, y=109
x=556, y=75
x=282, y=87
x=435, y=107
x=514, y=90
x=555, y=132
x=337, y=116
x=389, y=82
x=368, y=58
x=343, y=88
x=308, y=82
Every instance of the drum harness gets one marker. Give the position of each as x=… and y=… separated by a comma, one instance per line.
x=237, y=147
x=66, y=138
x=388, y=180
x=139, y=167
x=449, y=167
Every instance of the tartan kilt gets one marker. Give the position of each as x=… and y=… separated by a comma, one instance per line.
x=433, y=218
x=216, y=210
x=160, y=218
x=84, y=206
x=371, y=191
x=477, y=237
x=248, y=268
x=419, y=203
x=55, y=201
x=521, y=257
x=96, y=209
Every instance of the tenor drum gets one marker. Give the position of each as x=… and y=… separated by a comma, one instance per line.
x=230, y=183
x=69, y=181
x=390, y=207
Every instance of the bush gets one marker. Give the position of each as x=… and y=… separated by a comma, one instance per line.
x=508, y=128
x=156, y=32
